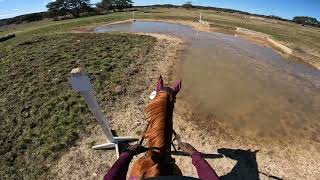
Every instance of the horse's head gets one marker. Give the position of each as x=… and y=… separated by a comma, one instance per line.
x=239, y=154
x=172, y=91
x=159, y=113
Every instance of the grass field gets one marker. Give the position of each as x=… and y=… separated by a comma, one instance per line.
x=41, y=116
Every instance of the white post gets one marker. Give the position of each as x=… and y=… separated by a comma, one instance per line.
x=200, y=17
x=91, y=101
x=133, y=18
x=80, y=82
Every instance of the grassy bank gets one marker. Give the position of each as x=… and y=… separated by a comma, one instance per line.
x=41, y=116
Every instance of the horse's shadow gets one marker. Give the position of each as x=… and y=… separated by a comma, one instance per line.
x=246, y=167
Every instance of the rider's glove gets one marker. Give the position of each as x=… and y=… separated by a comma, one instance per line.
x=135, y=149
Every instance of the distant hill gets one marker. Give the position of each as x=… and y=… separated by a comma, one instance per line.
x=24, y=18
x=218, y=9
x=299, y=19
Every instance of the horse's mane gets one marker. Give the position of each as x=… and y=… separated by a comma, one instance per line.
x=159, y=117
x=158, y=134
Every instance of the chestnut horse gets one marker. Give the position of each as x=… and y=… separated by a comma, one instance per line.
x=158, y=134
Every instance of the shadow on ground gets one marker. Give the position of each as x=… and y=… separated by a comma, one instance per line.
x=246, y=167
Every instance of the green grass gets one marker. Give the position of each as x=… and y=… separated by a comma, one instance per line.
x=41, y=116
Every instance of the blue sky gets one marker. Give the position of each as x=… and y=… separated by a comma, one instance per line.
x=283, y=8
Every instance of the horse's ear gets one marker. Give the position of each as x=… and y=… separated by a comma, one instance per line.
x=159, y=84
x=177, y=86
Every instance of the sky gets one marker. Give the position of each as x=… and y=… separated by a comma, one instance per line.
x=283, y=8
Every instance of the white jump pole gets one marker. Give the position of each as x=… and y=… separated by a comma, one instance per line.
x=80, y=82
x=133, y=18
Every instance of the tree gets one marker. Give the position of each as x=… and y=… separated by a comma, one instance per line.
x=115, y=4
x=187, y=5
x=33, y=17
x=105, y=4
x=122, y=4
x=73, y=7
x=305, y=20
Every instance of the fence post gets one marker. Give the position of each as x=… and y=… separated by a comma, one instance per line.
x=80, y=82
x=133, y=17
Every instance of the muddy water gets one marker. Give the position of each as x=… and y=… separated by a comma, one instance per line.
x=248, y=87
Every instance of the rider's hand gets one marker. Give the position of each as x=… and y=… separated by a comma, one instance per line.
x=136, y=149
x=187, y=148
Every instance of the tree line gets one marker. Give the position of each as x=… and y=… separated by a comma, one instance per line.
x=75, y=7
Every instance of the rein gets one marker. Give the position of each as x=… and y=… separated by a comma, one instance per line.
x=176, y=137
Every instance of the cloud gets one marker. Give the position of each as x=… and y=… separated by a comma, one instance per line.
x=15, y=9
